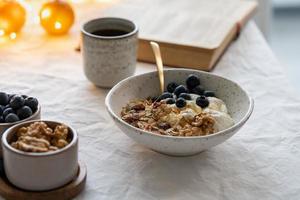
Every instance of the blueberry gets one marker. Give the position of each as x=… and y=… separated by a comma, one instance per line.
x=7, y=111
x=202, y=101
x=24, y=96
x=208, y=93
x=1, y=110
x=2, y=119
x=7, y=106
x=170, y=101
x=11, y=117
x=3, y=98
x=10, y=96
x=32, y=103
x=180, y=103
x=164, y=125
x=17, y=102
x=24, y=112
x=198, y=90
x=180, y=89
x=164, y=96
x=192, y=81
x=171, y=87
x=186, y=96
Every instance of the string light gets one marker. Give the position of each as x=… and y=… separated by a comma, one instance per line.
x=13, y=36
x=57, y=17
x=12, y=17
x=2, y=32
x=45, y=13
x=57, y=25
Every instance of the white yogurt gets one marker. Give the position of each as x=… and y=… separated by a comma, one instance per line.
x=223, y=120
x=217, y=109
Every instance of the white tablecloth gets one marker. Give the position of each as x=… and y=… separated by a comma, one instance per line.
x=260, y=162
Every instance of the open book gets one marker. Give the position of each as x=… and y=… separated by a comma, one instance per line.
x=191, y=33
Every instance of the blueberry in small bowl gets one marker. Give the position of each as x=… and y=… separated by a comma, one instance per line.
x=15, y=109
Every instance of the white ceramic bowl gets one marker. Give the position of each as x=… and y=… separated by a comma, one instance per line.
x=238, y=102
x=39, y=171
x=5, y=126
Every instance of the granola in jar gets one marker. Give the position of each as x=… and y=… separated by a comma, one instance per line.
x=39, y=137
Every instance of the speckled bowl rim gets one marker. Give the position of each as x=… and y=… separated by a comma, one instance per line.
x=31, y=154
x=36, y=113
x=133, y=32
x=237, y=125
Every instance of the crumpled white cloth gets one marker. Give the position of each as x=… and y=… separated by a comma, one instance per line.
x=260, y=162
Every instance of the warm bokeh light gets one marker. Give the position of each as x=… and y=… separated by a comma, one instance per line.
x=2, y=32
x=45, y=13
x=13, y=36
x=57, y=25
x=12, y=17
x=57, y=17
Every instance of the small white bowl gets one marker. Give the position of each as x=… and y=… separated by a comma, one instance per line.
x=5, y=126
x=39, y=171
x=239, y=104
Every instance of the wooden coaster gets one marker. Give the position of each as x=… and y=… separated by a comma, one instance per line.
x=69, y=191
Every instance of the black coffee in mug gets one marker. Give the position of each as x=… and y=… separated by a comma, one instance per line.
x=109, y=32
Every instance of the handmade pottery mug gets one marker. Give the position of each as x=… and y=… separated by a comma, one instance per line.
x=109, y=47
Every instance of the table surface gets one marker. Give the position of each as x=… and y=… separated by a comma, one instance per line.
x=260, y=161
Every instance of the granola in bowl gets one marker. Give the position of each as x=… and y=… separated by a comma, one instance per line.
x=180, y=111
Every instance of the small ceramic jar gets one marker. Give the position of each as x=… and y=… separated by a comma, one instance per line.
x=39, y=171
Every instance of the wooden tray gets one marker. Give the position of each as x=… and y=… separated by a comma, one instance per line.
x=69, y=191
x=191, y=33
